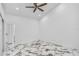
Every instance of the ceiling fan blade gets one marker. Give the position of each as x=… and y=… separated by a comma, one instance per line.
x=41, y=9
x=34, y=9
x=29, y=6
x=35, y=4
x=42, y=4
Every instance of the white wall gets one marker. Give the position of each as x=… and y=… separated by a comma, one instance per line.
x=26, y=29
x=1, y=12
x=62, y=25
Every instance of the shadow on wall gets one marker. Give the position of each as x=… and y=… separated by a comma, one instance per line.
x=0, y=36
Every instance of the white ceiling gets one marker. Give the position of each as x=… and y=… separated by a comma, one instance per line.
x=18, y=9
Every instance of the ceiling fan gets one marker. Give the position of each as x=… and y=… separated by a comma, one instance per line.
x=37, y=7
